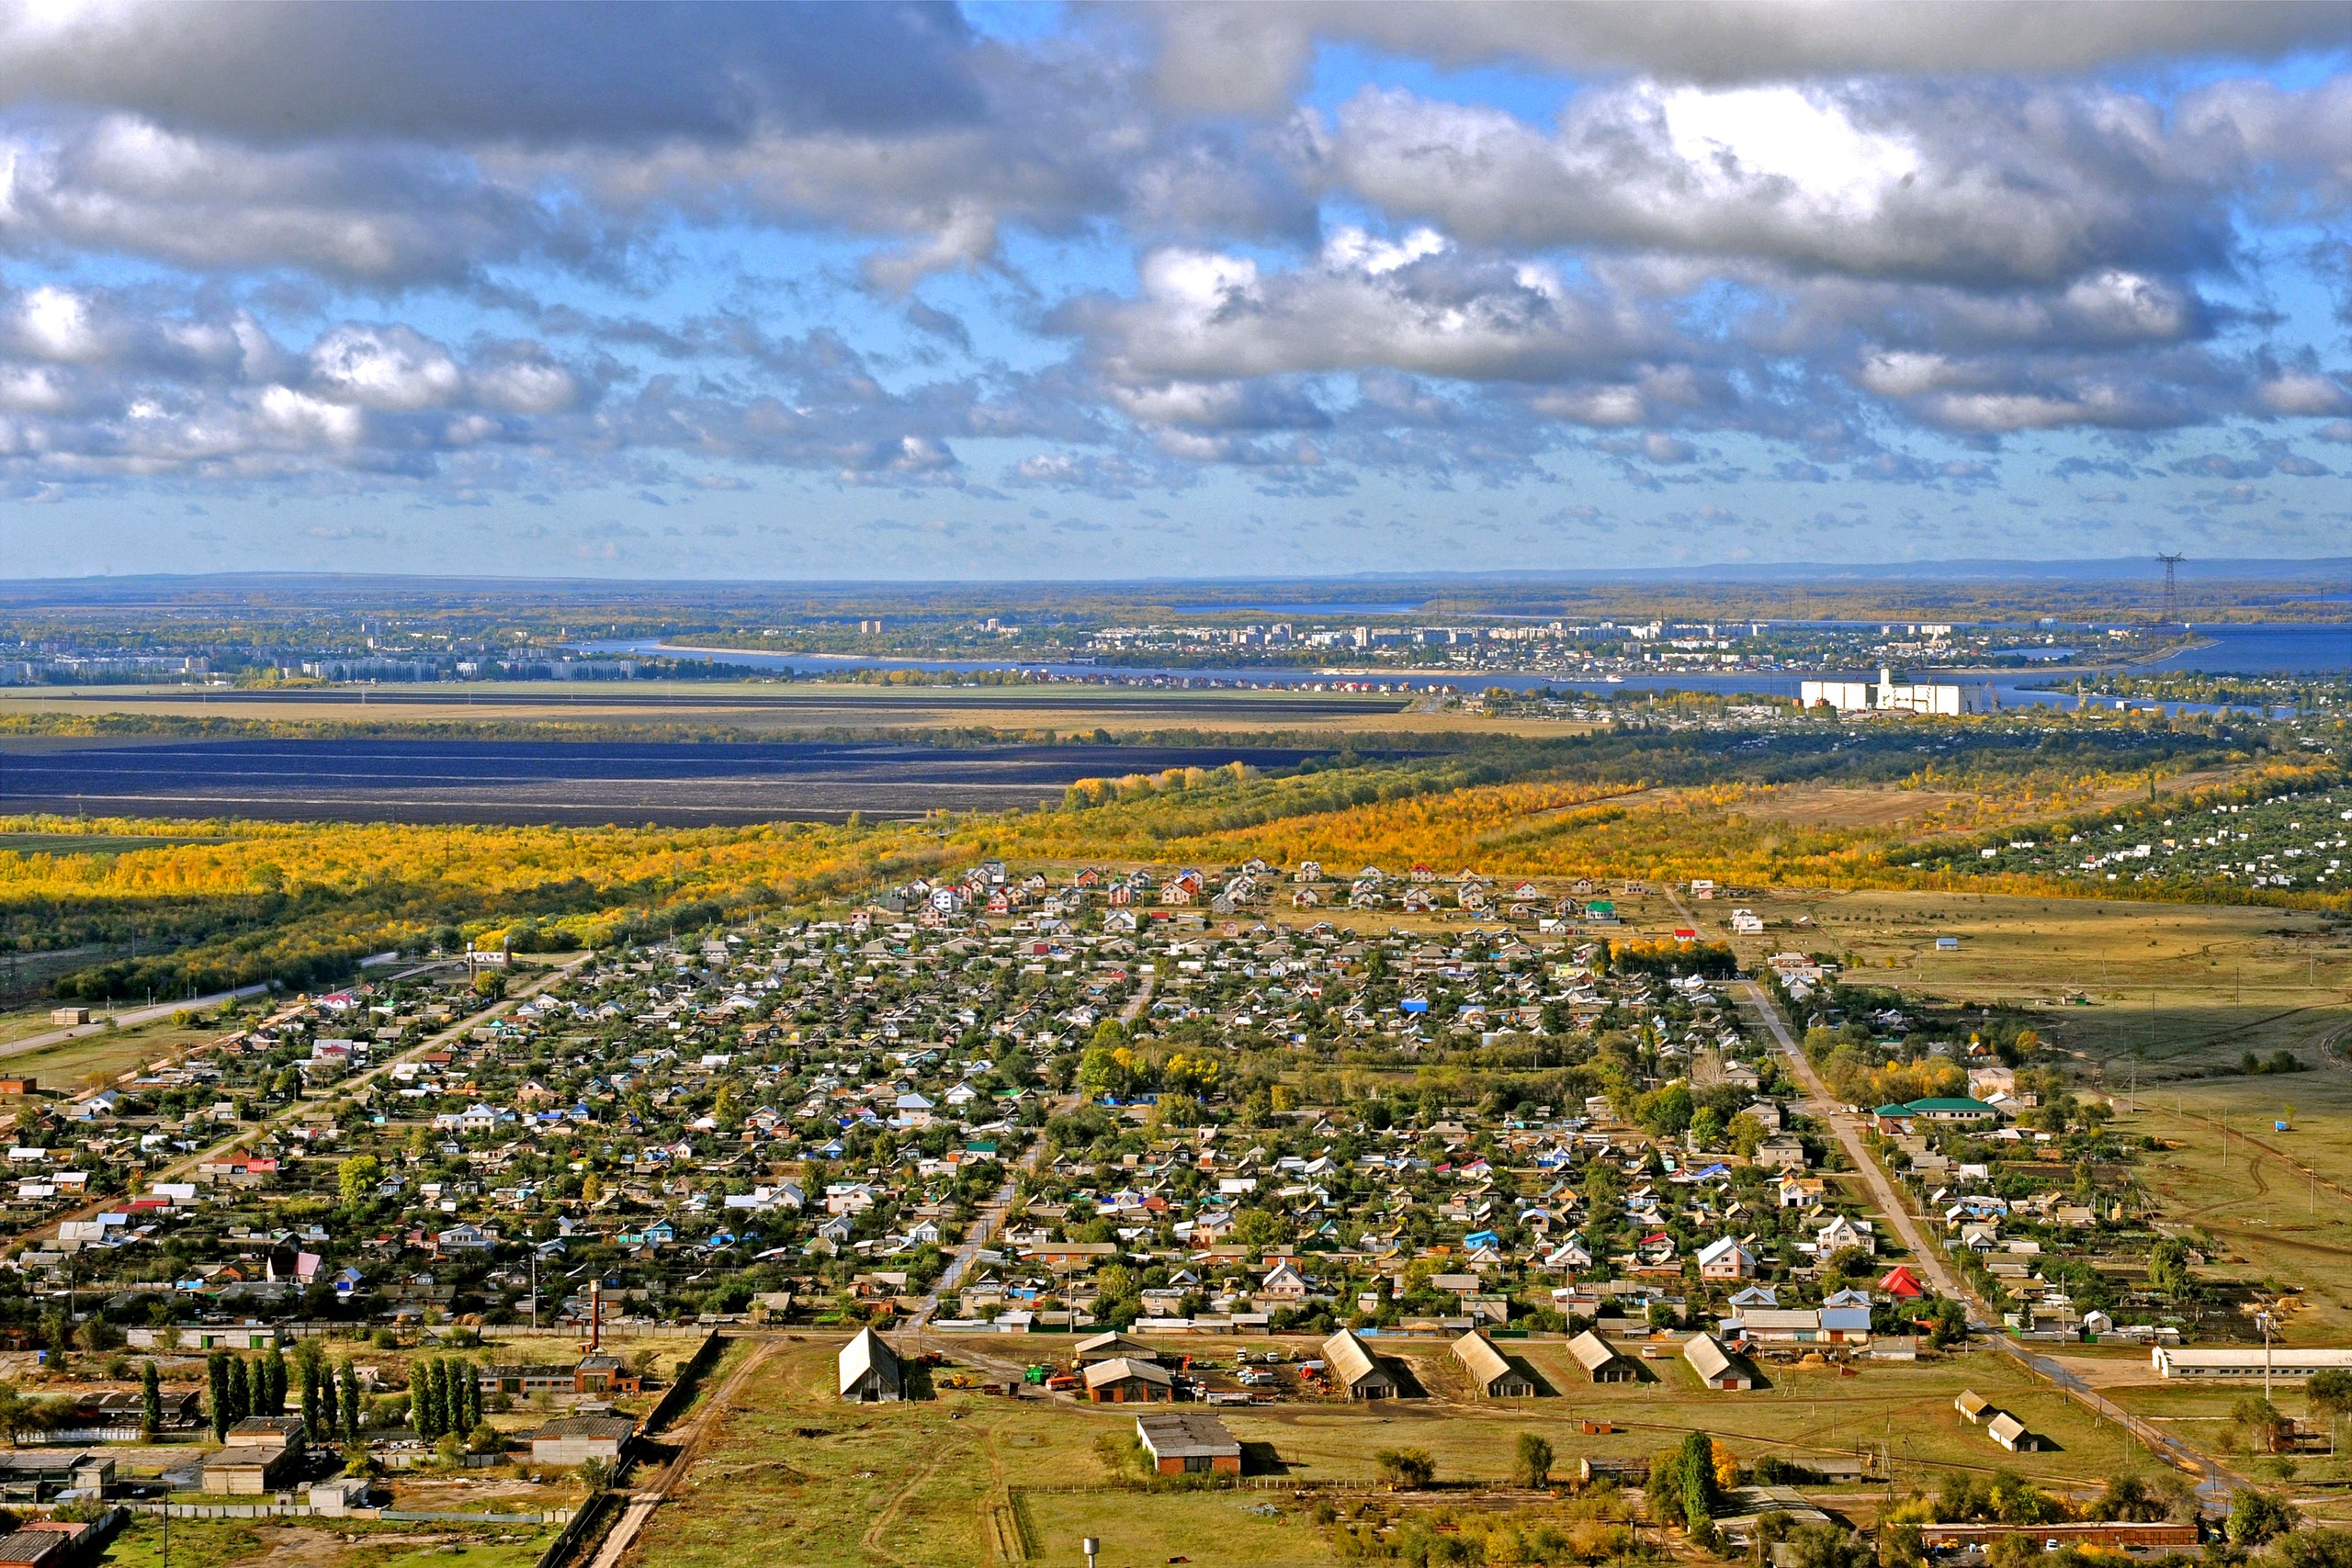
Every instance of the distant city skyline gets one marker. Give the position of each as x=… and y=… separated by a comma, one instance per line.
x=929, y=293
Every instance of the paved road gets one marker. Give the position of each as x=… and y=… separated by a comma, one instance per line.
x=130, y=1020
x=1826, y=1107
x=984, y=1229
x=2215, y=1485
x=1823, y=1106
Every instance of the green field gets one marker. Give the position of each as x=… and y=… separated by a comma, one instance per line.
x=250, y=1543
x=972, y=1478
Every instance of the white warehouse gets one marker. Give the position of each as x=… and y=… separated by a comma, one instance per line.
x=1886, y=695
x=2287, y=1362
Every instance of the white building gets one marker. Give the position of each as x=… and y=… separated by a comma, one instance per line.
x=1887, y=694
x=2288, y=1362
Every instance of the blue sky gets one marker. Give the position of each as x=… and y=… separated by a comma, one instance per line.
x=1295, y=286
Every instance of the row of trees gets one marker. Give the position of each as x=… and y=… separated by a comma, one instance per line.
x=243, y=1386
x=330, y=1401
x=443, y=1397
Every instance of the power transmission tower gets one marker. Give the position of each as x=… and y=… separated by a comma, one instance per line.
x=2172, y=585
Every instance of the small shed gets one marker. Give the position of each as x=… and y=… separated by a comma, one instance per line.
x=1358, y=1372
x=1121, y=1382
x=1972, y=1406
x=1492, y=1374
x=1181, y=1442
x=2010, y=1433
x=870, y=1373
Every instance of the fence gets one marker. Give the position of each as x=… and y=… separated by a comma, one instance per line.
x=582, y=1528
x=540, y=1519
x=573, y=1331
x=399, y=1459
x=681, y=1390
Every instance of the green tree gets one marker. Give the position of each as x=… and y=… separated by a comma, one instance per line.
x=1535, y=1461
x=1746, y=1134
x=2168, y=1267
x=272, y=1368
x=1405, y=1469
x=420, y=1401
x=307, y=1369
x=2259, y=1423
x=2329, y=1394
x=2313, y=1549
x=151, y=1403
x=1695, y=1478
x=2257, y=1517
x=241, y=1390
x=18, y=1415
x=216, y=1377
x=1827, y=1546
x=357, y=1177
x=347, y=1387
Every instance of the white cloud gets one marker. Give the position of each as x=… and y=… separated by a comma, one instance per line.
x=391, y=368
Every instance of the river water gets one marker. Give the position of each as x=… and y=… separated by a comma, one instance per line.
x=2234, y=649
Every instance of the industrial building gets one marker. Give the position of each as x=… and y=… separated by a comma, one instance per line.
x=1355, y=1368
x=1887, y=694
x=2287, y=1362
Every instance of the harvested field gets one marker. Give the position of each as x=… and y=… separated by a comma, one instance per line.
x=430, y=780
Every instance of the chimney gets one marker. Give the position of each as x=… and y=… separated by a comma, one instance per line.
x=595, y=1315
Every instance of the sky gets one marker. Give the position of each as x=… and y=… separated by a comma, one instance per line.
x=1292, y=287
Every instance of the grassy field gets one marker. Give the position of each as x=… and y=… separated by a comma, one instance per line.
x=248, y=1543
x=107, y=1054
x=969, y=1478
x=2172, y=987
x=2277, y=1205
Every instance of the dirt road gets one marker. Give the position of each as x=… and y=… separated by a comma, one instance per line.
x=694, y=1437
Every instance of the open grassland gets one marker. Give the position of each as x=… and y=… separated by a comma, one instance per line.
x=2277, y=1205
x=972, y=1478
x=2206, y=1418
x=2173, y=986
x=245, y=1543
x=89, y=1058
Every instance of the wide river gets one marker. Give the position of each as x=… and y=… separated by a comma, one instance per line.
x=2234, y=649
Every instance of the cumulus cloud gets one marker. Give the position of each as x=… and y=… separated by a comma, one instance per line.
x=465, y=71
x=1240, y=55
x=1204, y=315
x=1972, y=184
x=387, y=240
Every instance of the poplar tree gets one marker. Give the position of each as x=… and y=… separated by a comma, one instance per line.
x=150, y=1404
x=273, y=1376
x=312, y=1413
x=420, y=1399
x=215, y=1373
x=347, y=1380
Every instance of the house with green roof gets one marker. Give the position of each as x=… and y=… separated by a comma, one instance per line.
x=1941, y=1108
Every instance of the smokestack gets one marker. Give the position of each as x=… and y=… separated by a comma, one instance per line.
x=595, y=1315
